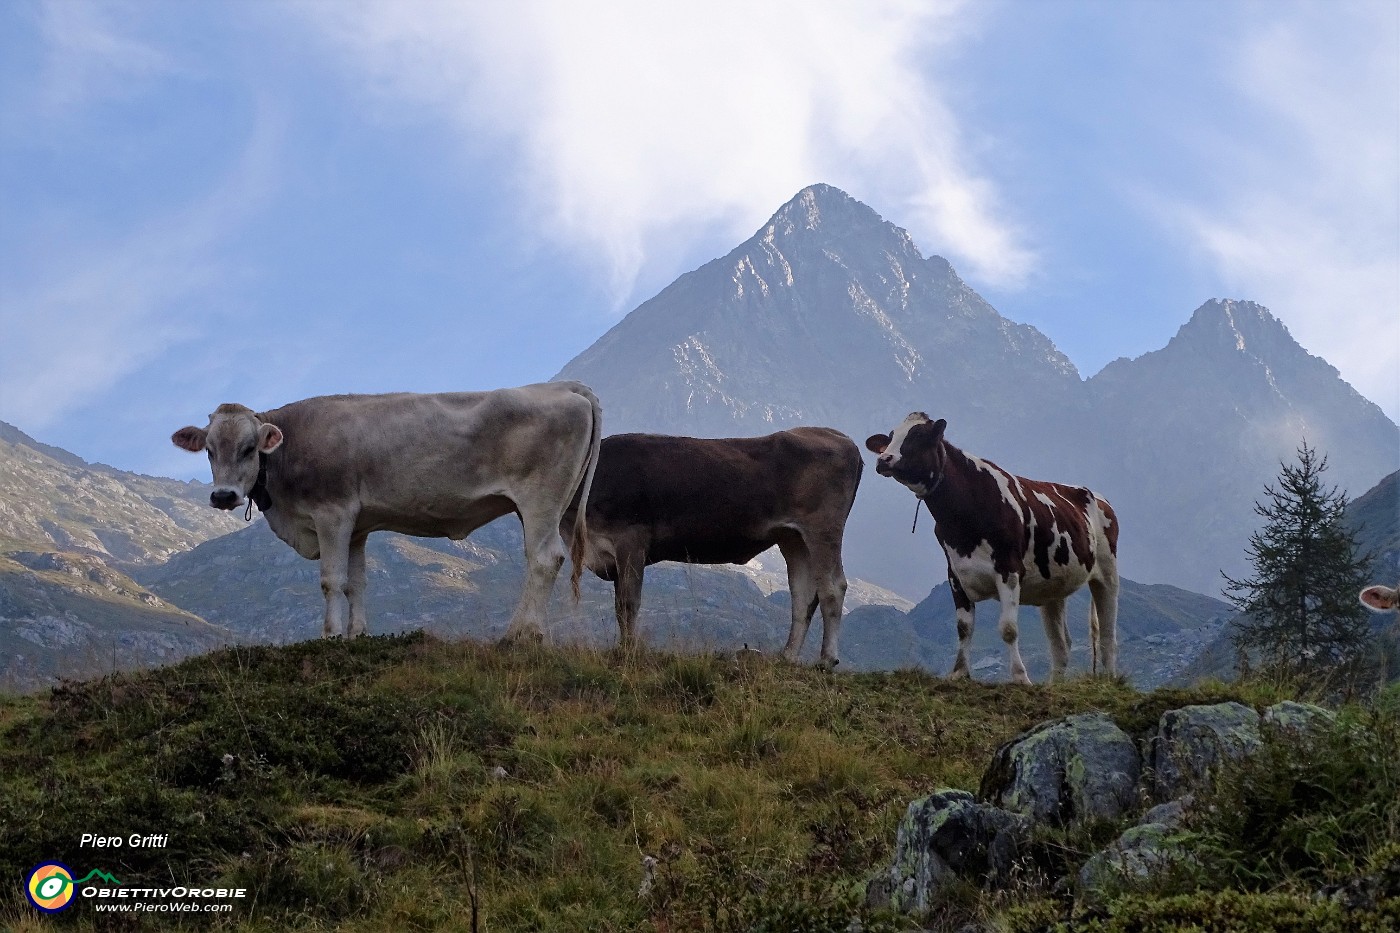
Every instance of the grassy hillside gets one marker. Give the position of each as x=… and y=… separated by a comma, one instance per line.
x=353, y=785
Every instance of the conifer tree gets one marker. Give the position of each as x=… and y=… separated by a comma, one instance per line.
x=1300, y=611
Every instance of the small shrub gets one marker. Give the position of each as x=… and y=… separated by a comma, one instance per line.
x=513, y=833
x=1315, y=808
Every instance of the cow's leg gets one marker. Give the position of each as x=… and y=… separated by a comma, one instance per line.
x=831, y=596
x=802, y=587
x=1105, y=594
x=966, y=613
x=544, y=555
x=356, y=592
x=1053, y=615
x=333, y=531
x=627, y=598
x=1009, y=593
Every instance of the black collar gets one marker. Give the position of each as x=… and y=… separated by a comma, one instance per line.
x=259, y=491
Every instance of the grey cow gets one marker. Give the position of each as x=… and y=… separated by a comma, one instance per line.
x=328, y=471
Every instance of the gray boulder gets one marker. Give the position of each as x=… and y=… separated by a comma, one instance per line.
x=946, y=836
x=1298, y=719
x=1078, y=769
x=1143, y=852
x=1170, y=814
x=1193, y=741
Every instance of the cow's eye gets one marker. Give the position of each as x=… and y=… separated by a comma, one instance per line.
x=246, y=452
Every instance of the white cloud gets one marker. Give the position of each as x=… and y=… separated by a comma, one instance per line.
x=1310, y=221
x=635, y=123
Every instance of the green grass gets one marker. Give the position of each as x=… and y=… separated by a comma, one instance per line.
x=351, y=784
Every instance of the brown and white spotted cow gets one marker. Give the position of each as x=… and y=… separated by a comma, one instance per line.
x=1381, y=598
x=1013, y=539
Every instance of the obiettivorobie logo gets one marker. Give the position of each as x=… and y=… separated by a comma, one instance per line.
x=51, y=886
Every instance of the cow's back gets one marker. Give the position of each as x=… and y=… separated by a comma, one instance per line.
x=719, y=500
x=428, y=456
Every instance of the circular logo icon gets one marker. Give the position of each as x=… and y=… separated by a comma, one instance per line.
x=50, y=887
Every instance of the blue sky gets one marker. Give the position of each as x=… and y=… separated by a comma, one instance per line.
x=258, y=202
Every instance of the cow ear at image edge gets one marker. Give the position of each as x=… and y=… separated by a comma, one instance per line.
x=876, y=443
x=1380, y=598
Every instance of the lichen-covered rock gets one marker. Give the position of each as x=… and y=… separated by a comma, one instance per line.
x=1170, y=814
x=1142, y=852
x=1193, y=741
x=945, y=836
x=1078, y=769
x=1298, y=719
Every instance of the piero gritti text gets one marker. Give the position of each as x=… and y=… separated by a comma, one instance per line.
x=134, y=841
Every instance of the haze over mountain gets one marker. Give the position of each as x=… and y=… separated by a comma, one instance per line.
x=830, y=315
x=1201, y=425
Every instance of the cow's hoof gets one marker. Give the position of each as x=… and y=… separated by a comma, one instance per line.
x=1021, y=679
x=828, y=664
x=960, y=673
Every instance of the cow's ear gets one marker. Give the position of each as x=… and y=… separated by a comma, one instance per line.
x=939, y=427
x=1380, y=598
x=190, y=438
x=876, y=443
x=269, y=438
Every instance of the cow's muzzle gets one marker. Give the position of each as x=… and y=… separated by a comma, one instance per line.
x=225, y=499
x=882, y=466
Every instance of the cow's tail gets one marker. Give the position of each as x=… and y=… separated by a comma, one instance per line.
x=578, y=546
x=1093, y=638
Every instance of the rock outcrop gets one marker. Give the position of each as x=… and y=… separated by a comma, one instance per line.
x=944, y=836
x=1192, y=742
x=1077, y=771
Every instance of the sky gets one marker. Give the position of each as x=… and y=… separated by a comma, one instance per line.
x=259, y=202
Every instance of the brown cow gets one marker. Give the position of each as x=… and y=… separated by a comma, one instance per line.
x=724, y=501
x=1013, y=539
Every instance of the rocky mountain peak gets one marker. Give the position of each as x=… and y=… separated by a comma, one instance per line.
x=821, y=215
x=1239, y=326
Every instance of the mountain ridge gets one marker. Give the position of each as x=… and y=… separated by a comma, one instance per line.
x=829, y=314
